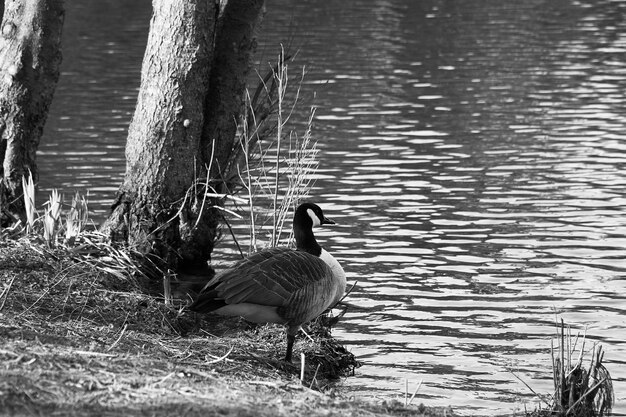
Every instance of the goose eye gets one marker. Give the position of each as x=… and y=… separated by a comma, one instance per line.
x=316, y=220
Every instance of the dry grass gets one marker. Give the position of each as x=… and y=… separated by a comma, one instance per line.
x=276, y=165
x=78, y=339
x=579, y=391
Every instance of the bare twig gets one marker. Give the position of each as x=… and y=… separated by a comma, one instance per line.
x=221, y=358
x=314, y=376
x=118, y=338
x=541, y=398
x=415, y=392
x=5, y=292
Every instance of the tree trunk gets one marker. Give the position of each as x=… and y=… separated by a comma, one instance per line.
x=161, y=209
x=151, y=211
x=234, y=46
x=30, y=57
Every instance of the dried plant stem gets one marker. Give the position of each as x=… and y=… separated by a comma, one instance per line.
x=245, y=143
x=419, y=385
x=206, y=193
x=587, y=393
x=578, y=391
x=167, y=287
x=539, y=396
x=313, y=380
x=5, y=292
x=118, y=339
x=275, y=170
x=221, y=358
x=406, y=391
x=281, y=78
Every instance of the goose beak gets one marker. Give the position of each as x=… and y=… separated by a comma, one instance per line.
x=327, y=221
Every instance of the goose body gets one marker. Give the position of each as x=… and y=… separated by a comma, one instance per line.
x=280, y=285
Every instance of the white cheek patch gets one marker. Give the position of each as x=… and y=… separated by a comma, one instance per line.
x=316, y=220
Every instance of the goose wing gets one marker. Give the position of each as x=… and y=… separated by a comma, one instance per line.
x=230, y=289
x=310, y=300
x=273, y=277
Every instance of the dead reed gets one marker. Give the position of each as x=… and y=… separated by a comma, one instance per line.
x=579, y=390
x=277, y=164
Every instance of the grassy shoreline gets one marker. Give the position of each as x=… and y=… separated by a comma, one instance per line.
x=79, y=340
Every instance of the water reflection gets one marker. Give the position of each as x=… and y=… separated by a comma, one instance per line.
x=85, y=135
x=473, y=155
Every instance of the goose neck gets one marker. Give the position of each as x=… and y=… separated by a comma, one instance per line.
x=305, y=241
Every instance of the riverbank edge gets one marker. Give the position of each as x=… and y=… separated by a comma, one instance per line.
x=79, y=339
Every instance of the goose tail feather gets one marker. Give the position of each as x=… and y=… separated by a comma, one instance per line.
x=206, y=302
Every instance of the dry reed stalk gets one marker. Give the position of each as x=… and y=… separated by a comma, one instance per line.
x=579, y=391
x=167, y=287
x=419, y=385
x=314, y=379
x=5, y=292
x=282, y=79
x=247, y=183
x=406, y=391
x=276, y=174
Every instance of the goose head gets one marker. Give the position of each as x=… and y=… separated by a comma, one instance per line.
x=306, y=217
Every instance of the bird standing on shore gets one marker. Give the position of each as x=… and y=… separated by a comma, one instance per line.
x=280, y=285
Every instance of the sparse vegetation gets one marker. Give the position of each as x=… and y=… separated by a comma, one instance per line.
x=28, y=185
x=277, y=164
x=77, y=218
x=79, y=339
x=579, y=391
x=52, y=218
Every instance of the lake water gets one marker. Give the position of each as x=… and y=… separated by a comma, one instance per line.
x=473, y=154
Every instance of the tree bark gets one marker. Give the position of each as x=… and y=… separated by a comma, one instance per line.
x=161, y=209
x=30, y=58
x=234, y=46
x=151, y=211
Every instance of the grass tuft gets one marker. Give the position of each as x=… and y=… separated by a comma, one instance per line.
x=52, y=218
x=28, y=186
x=76, y=219
x=49, y=226
x=579, y=391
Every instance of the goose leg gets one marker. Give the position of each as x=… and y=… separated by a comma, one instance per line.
x=291, y=338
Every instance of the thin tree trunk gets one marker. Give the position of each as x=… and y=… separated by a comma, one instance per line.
x=154, y=207
x=30, y=57
x=193, y=78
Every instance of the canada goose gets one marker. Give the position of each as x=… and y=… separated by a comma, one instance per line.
x=280, y=285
